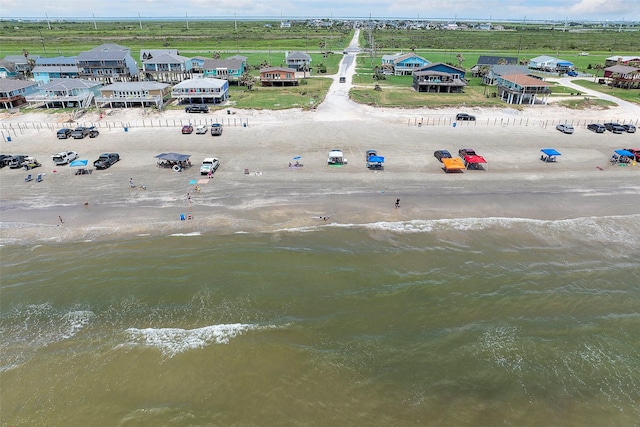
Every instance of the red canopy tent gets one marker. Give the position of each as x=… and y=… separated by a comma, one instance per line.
x=475, y=162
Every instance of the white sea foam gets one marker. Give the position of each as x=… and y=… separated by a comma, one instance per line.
x=172, y=341
x=609, y=229
x=194, y=233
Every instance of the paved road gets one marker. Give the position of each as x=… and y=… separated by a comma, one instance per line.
x=568, y=82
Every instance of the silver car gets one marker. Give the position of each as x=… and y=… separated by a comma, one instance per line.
x=565, y=128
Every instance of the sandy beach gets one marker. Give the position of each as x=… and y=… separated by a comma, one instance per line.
x=273, y=196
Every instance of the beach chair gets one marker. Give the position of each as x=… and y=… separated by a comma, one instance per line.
x=28, y=178
x=39, y=178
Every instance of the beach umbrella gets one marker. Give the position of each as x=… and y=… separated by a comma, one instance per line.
x=297, y=157
x=78, y=164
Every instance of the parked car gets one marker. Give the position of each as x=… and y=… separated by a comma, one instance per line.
x=636, y=153
x=64, y=133
x=442, y=154
x=93, y=132
x=572, y=73
x=196, y=108
x=4, y=159
x=614, y=127
x=201, y=129
x=465, y=116
x=596, y=127
x=187, y=129
x=64, y=157
x=106, y=160
x=343, y=79
x=629, y=128
x=463, y=152
x=16, y=161
x=216, y=129
x=210, y=164
x=565, y=128
x=30, y=163
x=80, y=132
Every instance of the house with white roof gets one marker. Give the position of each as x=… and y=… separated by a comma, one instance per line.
x=133, y=94
x=550, y=64
x=65, y=93
x=201, y=91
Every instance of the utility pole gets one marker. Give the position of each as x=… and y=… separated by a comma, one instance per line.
x=48, y=22
x=140, y=20
x=42, y=41
x=186, y=17
x=95, y=27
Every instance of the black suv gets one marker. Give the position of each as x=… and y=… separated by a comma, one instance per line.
x=196, y=109
x=614, y=127
x=596, y=127
x=64, y=133
x=93, y=132
x=465, y=116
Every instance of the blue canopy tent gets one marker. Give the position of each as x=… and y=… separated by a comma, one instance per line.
x=375, y=162
x=81, y=165
x=549, y=155
x=622, y=157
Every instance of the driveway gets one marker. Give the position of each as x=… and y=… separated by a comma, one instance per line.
x=568, y=82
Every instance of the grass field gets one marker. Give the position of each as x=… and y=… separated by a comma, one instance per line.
x=264, y=41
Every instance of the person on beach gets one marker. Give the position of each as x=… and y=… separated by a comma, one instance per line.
x=189, y=198
x=60, y=218
x=131, y=183
x=397, y=203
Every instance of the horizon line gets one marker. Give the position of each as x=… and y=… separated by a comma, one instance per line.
x=319, y=17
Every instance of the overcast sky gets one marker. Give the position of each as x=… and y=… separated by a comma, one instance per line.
x=484, y=10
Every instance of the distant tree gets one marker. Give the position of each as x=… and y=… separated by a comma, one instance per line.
x=216, y=55
x=413, y=47
x=460, y=59
x=247, y=80
x=483, y=70
x=502, y=61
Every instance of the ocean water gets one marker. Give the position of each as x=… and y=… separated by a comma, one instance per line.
x=466, y=322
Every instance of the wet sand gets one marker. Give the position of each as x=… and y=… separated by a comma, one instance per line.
x=273, y=196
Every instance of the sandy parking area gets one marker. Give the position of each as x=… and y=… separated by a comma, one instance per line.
x=273, y=196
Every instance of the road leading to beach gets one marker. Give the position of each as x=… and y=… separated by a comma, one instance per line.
x=337, y=106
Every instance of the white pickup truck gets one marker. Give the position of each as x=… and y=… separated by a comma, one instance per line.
x=64, y=157
x=210, y=164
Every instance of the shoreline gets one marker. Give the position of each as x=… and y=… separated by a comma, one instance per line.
x=272, y=196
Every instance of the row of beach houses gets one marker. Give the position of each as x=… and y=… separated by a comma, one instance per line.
x=108, y=77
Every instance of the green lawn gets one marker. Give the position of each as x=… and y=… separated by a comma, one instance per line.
x=264, y=41
x=631, y=95
x=307, y=95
